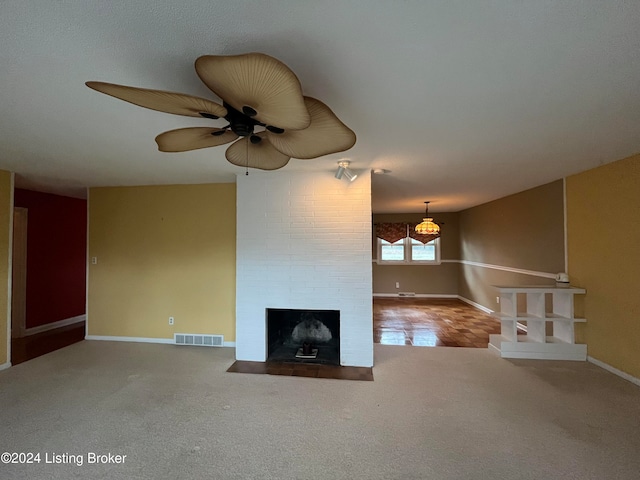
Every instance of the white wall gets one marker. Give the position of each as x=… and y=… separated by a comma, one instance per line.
x=304, y=242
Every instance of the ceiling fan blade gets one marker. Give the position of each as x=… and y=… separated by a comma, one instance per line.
x=168, y=102
x=258, y=85
x=326, y=134
x=262, y=155
x=193, y=138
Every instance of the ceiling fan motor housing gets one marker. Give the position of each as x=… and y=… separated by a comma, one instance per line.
x=240, y=124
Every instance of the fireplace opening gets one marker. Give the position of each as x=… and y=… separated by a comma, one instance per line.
x=303, y=336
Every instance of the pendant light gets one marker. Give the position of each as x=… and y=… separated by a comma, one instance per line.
x=427, y=227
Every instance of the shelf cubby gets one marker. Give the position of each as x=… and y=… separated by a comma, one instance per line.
x=549, y=317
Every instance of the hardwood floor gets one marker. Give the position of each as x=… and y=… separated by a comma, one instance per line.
x=32, y=346
x=303, y=370
x=431, y=322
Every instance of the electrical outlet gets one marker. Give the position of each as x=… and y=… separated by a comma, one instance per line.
x=397, y=284
x=94, y=260
x=170, y=320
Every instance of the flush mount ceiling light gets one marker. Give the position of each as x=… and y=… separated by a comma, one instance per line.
x=427, y=227
x=343, y=169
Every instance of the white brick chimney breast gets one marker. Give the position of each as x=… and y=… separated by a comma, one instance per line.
x=304, y=242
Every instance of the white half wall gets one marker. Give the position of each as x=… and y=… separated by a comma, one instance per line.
x=304, y=242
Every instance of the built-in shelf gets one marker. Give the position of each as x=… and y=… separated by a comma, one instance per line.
x=548, y=314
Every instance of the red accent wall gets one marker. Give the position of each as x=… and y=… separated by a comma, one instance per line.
x=56, y=256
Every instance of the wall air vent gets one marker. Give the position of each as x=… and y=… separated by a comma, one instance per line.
x=407, y=294
x=198, y=340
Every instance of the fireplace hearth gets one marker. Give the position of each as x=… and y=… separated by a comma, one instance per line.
x=303, y=336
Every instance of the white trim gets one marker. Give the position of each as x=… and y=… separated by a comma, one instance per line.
x=50, y=326
x=521, y=326
x=4, y=366
x=86, y=280
x=474, y=304
x=564, y=215
x=109, y=338
x=435, y=295
x=9, y=291
x=533, y=273
x=167, y=341
x=421, y=295
x=614, y=370
x=509, y=269
x=408, y=260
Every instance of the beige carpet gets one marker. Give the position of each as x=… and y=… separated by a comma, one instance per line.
x=431, y=413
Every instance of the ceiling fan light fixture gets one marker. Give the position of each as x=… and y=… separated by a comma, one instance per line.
x=427, y=227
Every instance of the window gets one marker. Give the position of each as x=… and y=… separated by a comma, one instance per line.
x=423, y=252
x=409, y=250
x=391, y=252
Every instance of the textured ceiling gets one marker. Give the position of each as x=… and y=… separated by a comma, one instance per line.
x=463, y=102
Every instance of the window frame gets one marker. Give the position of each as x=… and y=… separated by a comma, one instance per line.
x=408, y=260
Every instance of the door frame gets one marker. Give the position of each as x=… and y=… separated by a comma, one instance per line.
x=19, y=272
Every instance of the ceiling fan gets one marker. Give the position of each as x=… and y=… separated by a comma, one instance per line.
x=262, y=102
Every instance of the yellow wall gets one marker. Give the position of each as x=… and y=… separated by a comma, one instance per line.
x=6, y=213
x=162, y=251
x=604, y=257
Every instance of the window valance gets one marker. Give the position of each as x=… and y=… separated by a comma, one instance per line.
x=393, y=232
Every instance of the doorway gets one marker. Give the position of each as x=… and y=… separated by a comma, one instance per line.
x=19, y=273
x=48, y=273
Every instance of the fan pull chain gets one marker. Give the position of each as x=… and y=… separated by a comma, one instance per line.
x=247, y=166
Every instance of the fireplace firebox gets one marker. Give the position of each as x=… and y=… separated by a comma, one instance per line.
x=303, y=336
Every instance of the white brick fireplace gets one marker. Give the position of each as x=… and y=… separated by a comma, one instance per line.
x=304, y=242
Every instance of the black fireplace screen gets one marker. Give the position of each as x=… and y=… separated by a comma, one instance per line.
x=308, y=336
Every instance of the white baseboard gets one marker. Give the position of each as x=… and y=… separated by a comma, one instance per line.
x=435, y=295
x=4, y=366
x=108, y=338
x=167, y=341
x=417, y=295
x=474, y=304
x=614, y=370
x=53, y=325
